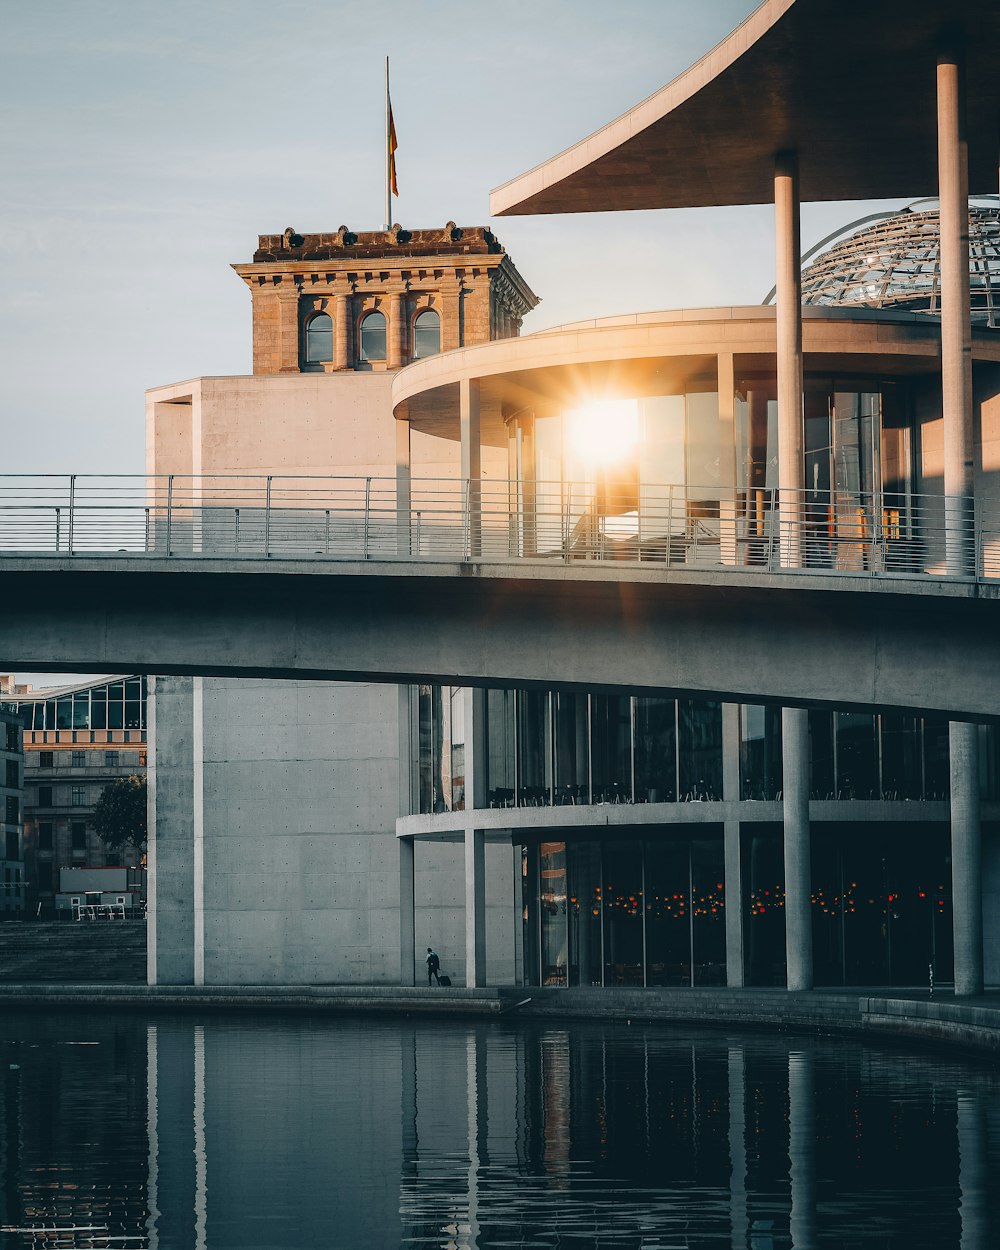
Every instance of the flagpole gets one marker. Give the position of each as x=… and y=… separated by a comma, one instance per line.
x=388, y=154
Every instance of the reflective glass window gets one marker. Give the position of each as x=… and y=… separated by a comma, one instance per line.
x=45, y=835
x=936, y=782
x=900, y=757
x=64, y=713
x=572, y=753
x=822, y=757
x=426, y=334
x=760, y=751
x=611, y=733
x=500, y=753
x=703, y=447
x=533, y=756
x=708, y=910
x=319, y=338
x=764, y=890
x=623, y=913
x=699, y=727
x=99, y=708
x=584, y=913
x=373, y=337
x=655, y=750
x=857, y=756
x=81, y=710
x=668, y=912
x=552, y=897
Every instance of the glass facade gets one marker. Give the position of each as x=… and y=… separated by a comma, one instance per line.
x=114, y=705
x=626, y=912
x=441, y=745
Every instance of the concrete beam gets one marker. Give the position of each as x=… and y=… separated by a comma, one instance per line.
x=921, y=646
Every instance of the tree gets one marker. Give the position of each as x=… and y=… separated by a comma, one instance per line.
x=120, y=814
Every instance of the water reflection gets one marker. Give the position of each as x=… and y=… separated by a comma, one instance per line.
x=228, y=1132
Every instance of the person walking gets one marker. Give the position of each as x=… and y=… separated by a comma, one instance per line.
x=433, y=966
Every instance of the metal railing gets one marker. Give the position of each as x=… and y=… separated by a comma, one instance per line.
x=377, y=518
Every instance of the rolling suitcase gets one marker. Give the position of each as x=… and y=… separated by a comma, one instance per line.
x=443, y=980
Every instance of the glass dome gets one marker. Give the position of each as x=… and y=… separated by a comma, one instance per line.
x=893, y=262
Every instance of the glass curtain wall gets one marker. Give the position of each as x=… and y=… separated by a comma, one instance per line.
x=568, y=748
x=441, y=749
x=115, y=705
x=625, y=912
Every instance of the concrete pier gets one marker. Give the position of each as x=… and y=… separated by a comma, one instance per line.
x=966, y=858
x=798, y=874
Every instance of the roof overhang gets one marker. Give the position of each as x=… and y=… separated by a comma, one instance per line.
x=849, y=84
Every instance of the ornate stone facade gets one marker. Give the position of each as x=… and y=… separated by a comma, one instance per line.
x=461, y=273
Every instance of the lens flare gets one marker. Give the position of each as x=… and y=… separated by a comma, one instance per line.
x=605, y=431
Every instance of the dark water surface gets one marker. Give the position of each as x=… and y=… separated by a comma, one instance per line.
x=234, y=1132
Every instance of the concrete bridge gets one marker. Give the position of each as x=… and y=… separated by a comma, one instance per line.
x=919, y=644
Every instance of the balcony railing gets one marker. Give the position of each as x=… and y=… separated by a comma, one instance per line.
x=373, y=518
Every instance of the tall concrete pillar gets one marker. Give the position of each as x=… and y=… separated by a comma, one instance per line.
x=788, y=329
x=956, y=318
x=170, y=923
x=407, y=941
x=403, y=505
x=798, y=869
x=468, y=402
x=966, y=858
x=343, y=325
x=475, y=907
x=732, y=845
x=396, y=346
x=728, y=522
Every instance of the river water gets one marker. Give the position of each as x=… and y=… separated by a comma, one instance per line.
x=238, y=1132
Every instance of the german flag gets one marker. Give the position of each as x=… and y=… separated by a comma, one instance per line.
x=392, y=153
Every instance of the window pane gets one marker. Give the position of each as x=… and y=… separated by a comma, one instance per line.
x=700, y=731
x=655, y=750
x=623, y=907
x=373, y=337
x=81, y=710
x=585, y=913
x=319, y=338
x=427, y=334
x=765, y=928
x=500, y=747
x=760, y=751
x=708, y=911
x=571, y=749
x=611, y=732
x=900, y=757
x=857, y=759
x=64, y=714
x=533, y=747
x=823, y=784
x=668, y=917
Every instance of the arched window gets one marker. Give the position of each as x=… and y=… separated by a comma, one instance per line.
x=319, y=338
x=373, y=337
x=426, y=334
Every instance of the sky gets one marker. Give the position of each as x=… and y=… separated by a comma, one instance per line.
x=145, y=145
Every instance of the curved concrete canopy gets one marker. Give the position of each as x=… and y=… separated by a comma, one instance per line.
x=849, y=84
x=917, y=645
x=647, y=352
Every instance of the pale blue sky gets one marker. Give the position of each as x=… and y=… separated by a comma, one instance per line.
x=144, y=145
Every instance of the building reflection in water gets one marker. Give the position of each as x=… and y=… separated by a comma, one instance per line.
x=187, y=1135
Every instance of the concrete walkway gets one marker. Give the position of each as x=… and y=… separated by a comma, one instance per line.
x=892, y=1013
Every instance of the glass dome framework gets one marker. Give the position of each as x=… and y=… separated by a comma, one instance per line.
x=895, y=264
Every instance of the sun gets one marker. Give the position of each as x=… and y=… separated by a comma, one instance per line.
x=603, y=432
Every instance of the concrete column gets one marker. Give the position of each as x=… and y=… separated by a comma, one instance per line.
x=802, y=1149
x=966, y=858
x=396, y=346
x=403, y=506
x=728, y=552
x=732, y=845
x=343, y=325
x=956, y=320
x=798, y=871
x=474, y=716
x=468, y=403
x=791, y=467
x=475, y=908
x=198, y=807
x=407, y=940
